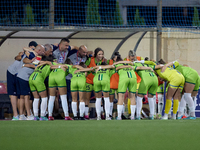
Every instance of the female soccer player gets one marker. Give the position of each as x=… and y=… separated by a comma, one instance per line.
x=57, y=80
x=78, y=86
x=113, y=78
x=191, y=84
x=102, y=84
x=127, y=79
x=149, y=82
x=92, y=62
x=176, y=84
x=38, y=88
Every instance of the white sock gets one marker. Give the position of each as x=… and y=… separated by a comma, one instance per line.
x=31, y=112
x=174, y=116
x=35, y=106
x=86, y=110
x=195, y=101
x=123, y=110
x=98, y=106
x=107, y=105
x=155, y=105
x=133, y=110
x=151, y=106
x=102, y=108
x=82, y=108
x=64, y=104
x=138, y=106
x=43, y=106
x=160, y=103
x=189, y=100
x=111, y=108
x=119, y=110
x=74, y=108
x=51, y=104
x=181, y=107
x=165, y=115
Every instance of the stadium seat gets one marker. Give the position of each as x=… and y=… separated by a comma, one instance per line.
x=3, y=88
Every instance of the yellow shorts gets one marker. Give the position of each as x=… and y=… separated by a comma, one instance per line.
x=177, y=81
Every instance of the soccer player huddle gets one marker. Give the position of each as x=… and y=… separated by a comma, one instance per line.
x=45, y=72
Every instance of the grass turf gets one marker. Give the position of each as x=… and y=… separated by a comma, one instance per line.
x=97, y=135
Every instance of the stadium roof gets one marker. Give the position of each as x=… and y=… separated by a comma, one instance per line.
x=120, y=36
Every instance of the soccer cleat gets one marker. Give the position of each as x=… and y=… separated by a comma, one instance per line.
x=164, y=117
x=68, y=118
x=180, y=117
x=43, y=119
x=98, y=118
x=36, y=118
x=22, y=117
x=173, y=118
x=30, y=117
x=137, y=118
x=132, y=118
x=51, y=118
x=151, y=118
x=75, y=118
x=184, y=117
x=15, y=118
x=87, y=117
x=108, y=118
x=190, y=118
x=118, y=118
x=82, y=118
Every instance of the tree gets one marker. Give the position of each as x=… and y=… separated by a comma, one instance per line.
x=62, y=20
x=196, y=21
x=29, y=16
x=93, y=16
x=117, y=16
x=137, y=19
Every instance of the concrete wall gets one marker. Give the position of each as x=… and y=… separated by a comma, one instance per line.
x=183, y=46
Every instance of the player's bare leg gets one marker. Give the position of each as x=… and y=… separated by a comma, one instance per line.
x=133, y=105
x=120, y=105
x=81, y=105
x=74, y=104
x=52, y=96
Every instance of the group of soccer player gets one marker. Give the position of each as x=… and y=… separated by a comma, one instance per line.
x=44, y=72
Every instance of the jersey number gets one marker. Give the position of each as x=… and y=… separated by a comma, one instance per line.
x=151, y=74
x=129, y=74
x=100, y=77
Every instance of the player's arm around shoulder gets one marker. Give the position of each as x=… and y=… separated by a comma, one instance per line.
x=83, y=70
x=124, y=66
x=123, y=62
x=143, y=68
x=167, y=65
x=41, y=63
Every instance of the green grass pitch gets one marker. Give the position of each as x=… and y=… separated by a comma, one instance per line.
x=100, y=135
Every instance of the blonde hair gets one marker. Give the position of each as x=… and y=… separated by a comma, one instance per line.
x=131, y=53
